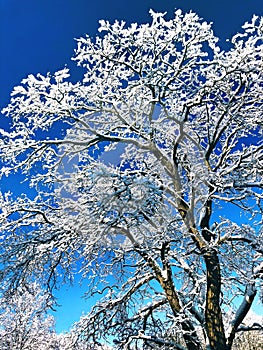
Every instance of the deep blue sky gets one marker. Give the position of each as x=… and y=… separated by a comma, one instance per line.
x=38, y=36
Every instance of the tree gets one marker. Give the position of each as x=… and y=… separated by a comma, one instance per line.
x=24, y=323
x=146, y=177
x=253, y=339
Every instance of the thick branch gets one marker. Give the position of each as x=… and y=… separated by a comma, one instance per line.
x=241, y=312
x=164, y=277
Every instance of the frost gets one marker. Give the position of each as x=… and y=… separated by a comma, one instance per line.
x=18, y=90
x=104, y=25
x=62, y=75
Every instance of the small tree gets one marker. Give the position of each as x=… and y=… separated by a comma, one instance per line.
x=24, y=323
x=252, y=338
x=146, y=177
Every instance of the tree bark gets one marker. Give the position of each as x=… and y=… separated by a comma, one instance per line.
x=213, y=314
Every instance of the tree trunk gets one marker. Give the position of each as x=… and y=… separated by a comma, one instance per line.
x=213, y=314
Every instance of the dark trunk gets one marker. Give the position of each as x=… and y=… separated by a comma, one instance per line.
x=213, y=315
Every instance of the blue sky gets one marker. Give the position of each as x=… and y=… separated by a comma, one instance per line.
x=37, y=36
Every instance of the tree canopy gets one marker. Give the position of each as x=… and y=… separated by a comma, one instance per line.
x=145, y=177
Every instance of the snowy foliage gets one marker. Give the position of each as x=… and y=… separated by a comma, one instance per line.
x=146, y=178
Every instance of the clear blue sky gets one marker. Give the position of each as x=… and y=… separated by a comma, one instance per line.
x=38, y=36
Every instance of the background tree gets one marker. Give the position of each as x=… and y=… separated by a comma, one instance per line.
x=252, y=339
x=24, y=323
x=146, y=177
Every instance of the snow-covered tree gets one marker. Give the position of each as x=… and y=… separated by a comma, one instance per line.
x=252, y=339
x=70, y=341
x=24, y=324
x=146, y=178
